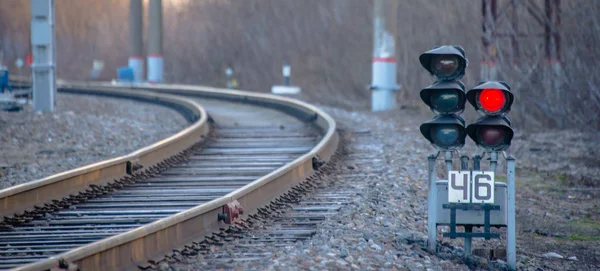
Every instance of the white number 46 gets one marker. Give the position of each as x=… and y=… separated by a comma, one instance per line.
x=471, y=186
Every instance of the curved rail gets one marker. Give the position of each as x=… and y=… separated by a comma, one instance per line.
x=25, y=196
x=154, y=240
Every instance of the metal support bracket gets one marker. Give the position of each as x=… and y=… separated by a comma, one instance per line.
x=477, y=207
x=231, y=212
x=317, y=162
x=132, y=167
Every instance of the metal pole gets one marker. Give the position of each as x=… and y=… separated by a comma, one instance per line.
x=464, y=165
x=43, y=67
x=493, y=161
x=155, y=46
x=448, y=160
x=511, y=238
x=384, y=85
x=432, y=206
x=476, y=167
x=476, y=162
x=464, y=162
x=136, y=46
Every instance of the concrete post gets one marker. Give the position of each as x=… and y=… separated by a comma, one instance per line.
x=384, y=84
x=44, y=54
x=136, y=44
x=155, y=46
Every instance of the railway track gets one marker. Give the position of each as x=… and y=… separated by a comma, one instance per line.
x=121, y=213
x=292, y=218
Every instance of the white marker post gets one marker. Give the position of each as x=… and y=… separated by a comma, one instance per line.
x=228, y=74
x=97, y=67
x=286, y=71
x=19, y=63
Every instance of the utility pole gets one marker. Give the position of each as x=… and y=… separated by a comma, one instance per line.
x=44, y=54
x=136, y=46
x=384, y=84
x=155, y=57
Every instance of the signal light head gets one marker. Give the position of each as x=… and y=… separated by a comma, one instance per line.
x=445, y=132
x=491, y=133
x=446, y=63
x=445, y=100
x=492, y=98
x=491, y=136
x=445, y=97
x=445, y=135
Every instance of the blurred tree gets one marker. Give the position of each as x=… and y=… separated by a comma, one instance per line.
x=329, y=44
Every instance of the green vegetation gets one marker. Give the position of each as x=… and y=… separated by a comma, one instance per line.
x=500, y=178
x=585, y=223
x=555, y=183
x=582, y=230
x=560, y=177
x=581, y=238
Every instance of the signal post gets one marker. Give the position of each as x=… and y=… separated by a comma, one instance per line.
x=470, y=197
x=43, y=68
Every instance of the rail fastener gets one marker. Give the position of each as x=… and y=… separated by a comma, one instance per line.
x=232, y=212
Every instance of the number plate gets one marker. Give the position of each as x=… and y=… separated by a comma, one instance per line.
x=459, y=188
x=482, y=186
x=471, y=187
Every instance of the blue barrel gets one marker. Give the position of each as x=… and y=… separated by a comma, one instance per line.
x=125, y=74
x=4, y=81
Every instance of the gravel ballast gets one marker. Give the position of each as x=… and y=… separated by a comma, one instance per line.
x=83, y=129
x=384, y=228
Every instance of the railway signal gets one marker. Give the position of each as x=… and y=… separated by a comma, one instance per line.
x=473, y=198
x=492, y=131
x=446, y=97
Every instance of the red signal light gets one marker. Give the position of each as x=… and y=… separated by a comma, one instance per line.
x=491, y=100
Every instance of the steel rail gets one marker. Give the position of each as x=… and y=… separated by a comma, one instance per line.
x=152, y=241
x=23, y=197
